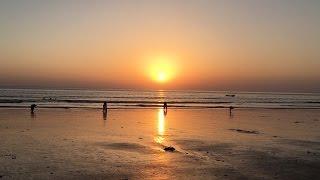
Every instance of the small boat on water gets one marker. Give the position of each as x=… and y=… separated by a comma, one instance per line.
x=230, y=95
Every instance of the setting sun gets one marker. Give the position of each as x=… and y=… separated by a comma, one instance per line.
x=162, y=69
x=161, y=77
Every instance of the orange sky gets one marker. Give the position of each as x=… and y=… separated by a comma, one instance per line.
x=212, y=45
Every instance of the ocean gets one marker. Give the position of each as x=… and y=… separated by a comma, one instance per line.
x=154, y=99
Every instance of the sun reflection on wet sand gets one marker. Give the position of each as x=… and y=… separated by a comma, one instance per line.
x=161, y=159
x=161, y=127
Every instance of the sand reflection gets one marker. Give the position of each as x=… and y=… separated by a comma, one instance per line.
x=104, y=115
x=161, y=127
x=33, y=115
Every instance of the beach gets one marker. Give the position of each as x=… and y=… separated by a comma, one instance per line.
x=159, y=89
x=83, y=143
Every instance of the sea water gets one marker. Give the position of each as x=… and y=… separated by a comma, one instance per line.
x=155, y=98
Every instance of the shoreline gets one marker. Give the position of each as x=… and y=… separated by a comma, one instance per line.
x=157, y=107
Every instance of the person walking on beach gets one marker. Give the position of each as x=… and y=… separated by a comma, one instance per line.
x=230, y=110
x=32, y=107
x=104, y=107
x=165, y=106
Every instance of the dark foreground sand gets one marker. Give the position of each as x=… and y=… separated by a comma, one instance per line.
x=209, y=143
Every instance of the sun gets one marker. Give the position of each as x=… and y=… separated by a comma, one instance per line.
x=161, y=77
x=162, y=69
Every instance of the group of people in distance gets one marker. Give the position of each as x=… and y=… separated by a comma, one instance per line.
x=104, y=107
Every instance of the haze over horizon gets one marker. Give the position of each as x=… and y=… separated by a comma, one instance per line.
x=235, y=45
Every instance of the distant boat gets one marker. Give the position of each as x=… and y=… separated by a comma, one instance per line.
x=230, y=95
x=49, y=98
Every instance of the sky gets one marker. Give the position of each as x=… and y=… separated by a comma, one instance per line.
x=245, y=45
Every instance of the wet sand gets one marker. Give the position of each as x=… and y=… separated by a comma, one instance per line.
x=129, y=143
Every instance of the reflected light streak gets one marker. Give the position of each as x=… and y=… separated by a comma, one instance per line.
x=161, y=127
x=161, y=122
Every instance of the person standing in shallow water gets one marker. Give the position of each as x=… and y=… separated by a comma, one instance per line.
x=104, y=110
x=104, y=107
x=32, y=107
x=165, y=106
x=230, y=110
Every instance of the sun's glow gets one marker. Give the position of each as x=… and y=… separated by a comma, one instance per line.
x=161, y=77
x=162, y=69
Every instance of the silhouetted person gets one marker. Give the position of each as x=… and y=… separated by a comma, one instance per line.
x=230, y=110
x=165, y=108
x=104, y=107
x=32, y=107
